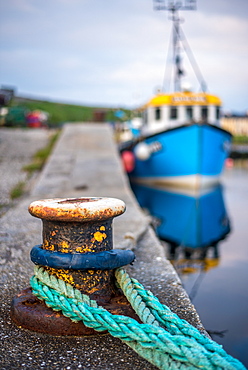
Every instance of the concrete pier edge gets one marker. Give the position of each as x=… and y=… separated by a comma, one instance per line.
x=85, y=162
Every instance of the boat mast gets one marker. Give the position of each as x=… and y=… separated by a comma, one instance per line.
x=178, y=71
x=173, y=6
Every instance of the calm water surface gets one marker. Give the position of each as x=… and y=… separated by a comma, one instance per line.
x=220, y=295
x=216, y=279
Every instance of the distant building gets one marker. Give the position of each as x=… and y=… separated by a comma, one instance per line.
x=236, y=124
x=99, y=115
x=6, y=94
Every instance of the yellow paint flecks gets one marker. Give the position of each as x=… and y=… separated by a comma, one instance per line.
x=64, y=245
x=100, y=236
x=45, y=243
x=62, y=274
x=48, y=246
x=92, y=281
x=79, y=249
x=84, y=249
x=102, y=228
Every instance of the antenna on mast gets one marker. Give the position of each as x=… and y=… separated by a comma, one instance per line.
x=173, y=6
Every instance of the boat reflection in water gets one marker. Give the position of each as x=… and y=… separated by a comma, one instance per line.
x=192, y=224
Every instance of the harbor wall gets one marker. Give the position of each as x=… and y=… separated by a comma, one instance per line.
x=85, y=162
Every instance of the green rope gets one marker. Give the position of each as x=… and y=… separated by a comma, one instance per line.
x=164, y=339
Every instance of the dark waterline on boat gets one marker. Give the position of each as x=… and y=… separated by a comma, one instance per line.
x=218, y=289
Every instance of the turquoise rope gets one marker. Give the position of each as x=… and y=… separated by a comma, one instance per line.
x=136, y=293
x=56, y=301
x=180, y=346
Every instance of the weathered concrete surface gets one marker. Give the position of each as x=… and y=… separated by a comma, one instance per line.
x=84, y=162
x=17, y=147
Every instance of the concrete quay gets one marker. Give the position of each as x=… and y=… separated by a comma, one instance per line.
x=84, y=162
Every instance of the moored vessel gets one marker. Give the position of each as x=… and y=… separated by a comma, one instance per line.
x=180, y=141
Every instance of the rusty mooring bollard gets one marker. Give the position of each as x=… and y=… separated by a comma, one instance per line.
x=77, y=248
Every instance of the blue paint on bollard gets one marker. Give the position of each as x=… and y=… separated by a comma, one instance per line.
x=105, y=260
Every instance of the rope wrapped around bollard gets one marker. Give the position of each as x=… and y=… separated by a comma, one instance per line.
x=80, y=288
x=163, y=339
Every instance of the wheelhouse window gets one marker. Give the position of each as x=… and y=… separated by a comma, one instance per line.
x=217, y=113
x=204, y=113
x=189, y=113
x=157, y=114
x=173, y=113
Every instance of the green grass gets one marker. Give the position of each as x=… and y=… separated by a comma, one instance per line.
x=17, y=190
x=40, y=157
x=60, y=113
x=240, y=139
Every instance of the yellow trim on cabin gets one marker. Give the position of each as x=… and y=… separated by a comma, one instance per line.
x=183, y=98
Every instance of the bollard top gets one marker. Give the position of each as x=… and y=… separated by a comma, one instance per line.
x=77, y=209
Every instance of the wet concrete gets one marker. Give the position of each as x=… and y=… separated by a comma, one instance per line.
x=85, y=162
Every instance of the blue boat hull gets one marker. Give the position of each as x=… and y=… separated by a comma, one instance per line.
x=183, y=219
x=187, y=155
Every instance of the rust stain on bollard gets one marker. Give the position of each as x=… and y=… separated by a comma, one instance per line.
x=72, y=227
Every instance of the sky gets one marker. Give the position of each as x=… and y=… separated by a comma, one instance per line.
x=115, y=52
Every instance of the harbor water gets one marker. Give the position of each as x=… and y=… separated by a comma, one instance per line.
x=206, y=238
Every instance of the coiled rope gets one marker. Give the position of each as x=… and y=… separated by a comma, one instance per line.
x=164, y=339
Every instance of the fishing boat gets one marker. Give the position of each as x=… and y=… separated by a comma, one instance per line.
x=180, y=141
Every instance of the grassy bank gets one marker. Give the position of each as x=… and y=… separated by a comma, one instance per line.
x=37, y=163
x=59, y=112
x=242, y=140
x=41, y=156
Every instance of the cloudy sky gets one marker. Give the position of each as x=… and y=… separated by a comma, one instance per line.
x=114, y=52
